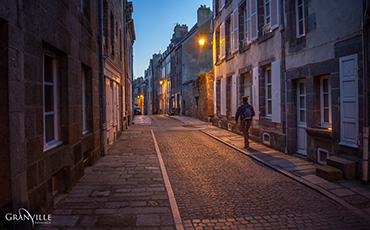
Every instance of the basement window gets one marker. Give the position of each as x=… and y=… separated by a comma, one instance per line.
x=266, y=138
x=322, y=154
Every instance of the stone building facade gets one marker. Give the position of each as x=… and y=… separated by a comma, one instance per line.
x=247, y=62
x=324, y=80
x=50, y=107
x=304, y=73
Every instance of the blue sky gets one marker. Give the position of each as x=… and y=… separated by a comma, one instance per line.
x=154, y=22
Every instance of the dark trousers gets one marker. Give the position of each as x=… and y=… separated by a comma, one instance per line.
x=244, y=127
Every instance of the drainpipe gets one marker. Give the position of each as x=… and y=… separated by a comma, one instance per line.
x=286, y=113
x=103, y=123
x=365, y=131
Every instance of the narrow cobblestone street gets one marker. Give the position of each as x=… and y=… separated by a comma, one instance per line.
x=215, y=187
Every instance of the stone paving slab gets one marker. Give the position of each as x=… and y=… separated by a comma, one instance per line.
x=123, y=190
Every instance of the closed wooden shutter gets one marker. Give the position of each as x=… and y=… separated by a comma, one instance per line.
x=254, y=20
x=223, y=96
x=248, y=20
x=231, y=33
x=214, y=97
x=233, y=95
x=255, y=92
x=222, y=40
x=348, y=101
x=236, y=33
x=275, y=82
x=214, y=48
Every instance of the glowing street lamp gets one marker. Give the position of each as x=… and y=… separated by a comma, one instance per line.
x=202, y=41
x=161, y=82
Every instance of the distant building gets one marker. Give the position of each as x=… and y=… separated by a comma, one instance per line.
x=181, y=67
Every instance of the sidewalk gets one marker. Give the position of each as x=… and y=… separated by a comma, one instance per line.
x=350, y=194
x=123, y=190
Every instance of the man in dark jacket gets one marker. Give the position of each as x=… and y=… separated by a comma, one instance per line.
x=245, y=112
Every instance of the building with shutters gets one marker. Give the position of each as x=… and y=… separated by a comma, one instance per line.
x=324, y=75
x=305, y=74
x=247, y=55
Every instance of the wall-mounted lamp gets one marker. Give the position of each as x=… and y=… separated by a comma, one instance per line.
x=161, y=82
x=201, y=41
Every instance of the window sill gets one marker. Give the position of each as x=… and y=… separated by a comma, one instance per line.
x=266, y=121
x=265, y=37
x=51, y=145
x=320, y=133
x=348, y=144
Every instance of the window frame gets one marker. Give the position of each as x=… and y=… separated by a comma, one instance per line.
x=298, y=34
x=267, y=84
x=84, y=98
x=265, y=2
x=325, y=124
x=48, y=145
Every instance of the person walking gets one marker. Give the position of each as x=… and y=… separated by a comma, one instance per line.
x=245, y=112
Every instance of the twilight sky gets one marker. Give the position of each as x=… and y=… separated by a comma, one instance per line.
x=154, y=22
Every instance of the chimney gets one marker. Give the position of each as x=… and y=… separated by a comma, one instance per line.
x=179, y=30
x=204, y=14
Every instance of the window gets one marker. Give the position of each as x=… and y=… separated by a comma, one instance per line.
x=300, y=18
x=221, y=4
x=245, y=87
x=322, y=155
x=217, y=45
x=245, y=18
x=105, y=24
x=112, y=33
x=229, y=35
x=325, y=101
x=228, y=95
x=83, y=92
x=85, y=8
x=51, y=129
x=268, y=92
x=267, y=10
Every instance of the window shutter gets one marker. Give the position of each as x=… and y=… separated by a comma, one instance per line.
x=274, y=14
x=231, y=33
x=275, y=82
x=248, y=20
x=214, y=48
x=254, y=20
x=348, y=101
x=223, y=96
x=214, y=8
x=236, y=34
x=233, y=95
x=256, y=92
x=214, y=97
x=222, y=40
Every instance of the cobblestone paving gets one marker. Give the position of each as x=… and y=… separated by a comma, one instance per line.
x=124, y=190
x=217, y=187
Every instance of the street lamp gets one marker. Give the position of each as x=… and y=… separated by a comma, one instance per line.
x=201, y=41
x=161, y=82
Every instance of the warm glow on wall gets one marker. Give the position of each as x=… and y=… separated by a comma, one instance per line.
x=330, y=129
